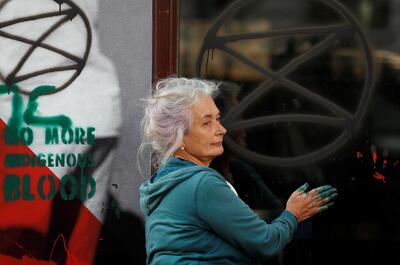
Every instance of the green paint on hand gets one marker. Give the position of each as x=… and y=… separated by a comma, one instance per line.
x=303, y=188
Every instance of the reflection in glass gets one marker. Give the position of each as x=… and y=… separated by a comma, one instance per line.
x=313, y=97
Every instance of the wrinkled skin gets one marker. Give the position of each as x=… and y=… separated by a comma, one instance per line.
x=304, y=204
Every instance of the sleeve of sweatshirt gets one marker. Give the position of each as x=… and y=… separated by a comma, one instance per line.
x=228, y=216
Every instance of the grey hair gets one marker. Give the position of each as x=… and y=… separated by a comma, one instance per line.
x=167, y=116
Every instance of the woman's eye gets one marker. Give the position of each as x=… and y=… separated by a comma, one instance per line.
x=207, y=123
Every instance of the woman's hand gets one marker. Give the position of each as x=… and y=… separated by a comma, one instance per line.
x=304, y=204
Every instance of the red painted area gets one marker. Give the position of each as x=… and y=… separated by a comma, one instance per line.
x=379, y=177
x=22, y=217
x=374, y=156
x=6, y=260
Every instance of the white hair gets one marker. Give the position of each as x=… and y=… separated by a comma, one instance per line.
x=167, y=116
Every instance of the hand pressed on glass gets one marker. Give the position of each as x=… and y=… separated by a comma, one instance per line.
x=304, y=204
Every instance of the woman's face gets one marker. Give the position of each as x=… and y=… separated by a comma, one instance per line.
x=204, y=139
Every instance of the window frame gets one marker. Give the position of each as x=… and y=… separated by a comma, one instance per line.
x=165, y=38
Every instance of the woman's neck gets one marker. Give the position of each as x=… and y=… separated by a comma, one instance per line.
x=188, y=157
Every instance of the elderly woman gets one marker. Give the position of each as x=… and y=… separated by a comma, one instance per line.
x=193, y=216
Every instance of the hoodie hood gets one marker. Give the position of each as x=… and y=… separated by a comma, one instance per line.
x=168, y=176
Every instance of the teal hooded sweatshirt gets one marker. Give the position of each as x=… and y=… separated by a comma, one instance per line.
x=193, y=217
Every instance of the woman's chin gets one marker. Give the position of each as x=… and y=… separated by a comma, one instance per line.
x=219, y=151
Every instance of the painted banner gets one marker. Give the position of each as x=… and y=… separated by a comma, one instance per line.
x=60, y=117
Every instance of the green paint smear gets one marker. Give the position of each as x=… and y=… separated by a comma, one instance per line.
x=18, y=116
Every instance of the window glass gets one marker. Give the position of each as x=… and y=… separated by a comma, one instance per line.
x=310, y=92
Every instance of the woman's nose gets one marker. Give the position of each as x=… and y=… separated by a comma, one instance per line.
x=222, y=129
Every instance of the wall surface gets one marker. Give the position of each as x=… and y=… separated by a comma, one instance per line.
x=125, y=28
